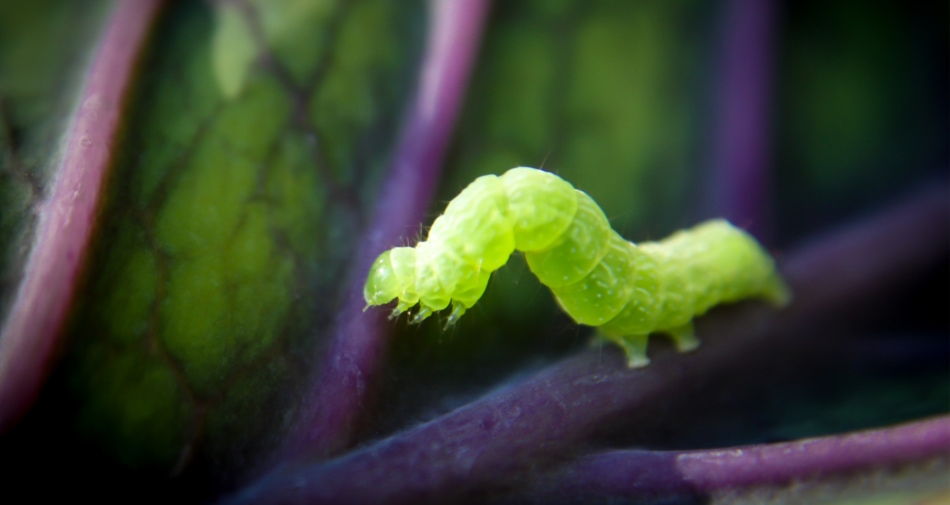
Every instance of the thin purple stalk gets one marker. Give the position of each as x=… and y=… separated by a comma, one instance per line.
x=343, y=389
x=66, y=218
x=619, y=475
x=741, y=140
x=493, y=440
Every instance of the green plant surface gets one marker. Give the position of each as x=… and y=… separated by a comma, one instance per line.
x=230, y=219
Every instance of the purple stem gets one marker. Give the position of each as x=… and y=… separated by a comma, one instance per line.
x=343, y=388
x=494, y=440
x=741, y=135
x=619, y=475
x=65, y=220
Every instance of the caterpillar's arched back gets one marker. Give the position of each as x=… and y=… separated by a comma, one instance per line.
x=599, y=279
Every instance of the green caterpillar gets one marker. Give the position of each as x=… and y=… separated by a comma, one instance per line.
x=599, y=279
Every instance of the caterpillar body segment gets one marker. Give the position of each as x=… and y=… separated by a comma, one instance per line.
x=598, y=278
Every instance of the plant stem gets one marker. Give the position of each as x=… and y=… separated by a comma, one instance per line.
x=342, y=390
x=67, y=217
x=741, y=134
x=620, y=475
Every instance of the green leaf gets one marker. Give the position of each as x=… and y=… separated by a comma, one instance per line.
x=230, y=220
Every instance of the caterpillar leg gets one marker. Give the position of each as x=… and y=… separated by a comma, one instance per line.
x=684, y=337
x=457, y=310
x=635, y=347
x=421, y=315
x=401, y=307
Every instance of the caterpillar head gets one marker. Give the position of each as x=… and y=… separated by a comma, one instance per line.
x=393, y=276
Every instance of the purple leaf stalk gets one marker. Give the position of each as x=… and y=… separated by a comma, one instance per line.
x=344, y=386
x=741, y=136
x=635, y=473
x=66, y=216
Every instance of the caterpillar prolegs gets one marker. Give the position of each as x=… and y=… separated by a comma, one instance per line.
x=598, y=278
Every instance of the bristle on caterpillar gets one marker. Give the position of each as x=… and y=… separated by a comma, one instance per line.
x=626, y=290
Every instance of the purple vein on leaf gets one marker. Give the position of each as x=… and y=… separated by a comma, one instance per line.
x=342, y=389
x=67, y=216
